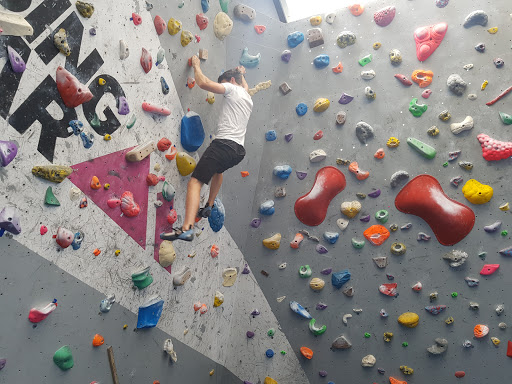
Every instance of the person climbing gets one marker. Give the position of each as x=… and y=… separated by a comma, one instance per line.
x=223, y=153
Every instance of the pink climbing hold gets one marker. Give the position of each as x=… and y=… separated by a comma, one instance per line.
x=146, y=61
x=128, y=205
x=39, y=314
x=403, y=79
x=259, y=29
x=64, y=237
x=43, y=230
x=493, y=149
x=160, y=25
x=113, y=202
x=489, y=269
x=428, y=39
x=383, y=17
x=172, y=217
x=137, y=20
x=311, y=208
x=73, y=92
x=202, y=21
x=148, y=107
x=450, y=220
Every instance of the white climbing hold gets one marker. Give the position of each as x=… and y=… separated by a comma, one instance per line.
x=346, y=317
x=317, y=156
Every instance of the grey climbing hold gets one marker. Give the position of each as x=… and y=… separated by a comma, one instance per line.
x=476, y=18
x=456, y=258
x=472, y=96
x=422, y=236
x=380, y=261
x=124, y=52
x=345, y=39
x=471, y=281
x=341, y=342
x=342, y=224
x=317, y=156
x=368, y=361
x=364, y=131
x=439, y=347
x=500, y=308
x=368, y=75
x=397, y=178
x=315, y=37
x=244, y=12
x=467, y=67
x=455, y=181
x=329, y=19
x=280, y=192
x=456, y=84
x=502, y=325
x=285, y=88
x=348, y=291
x=474, y=306
x=492, y=227
x=341, y=117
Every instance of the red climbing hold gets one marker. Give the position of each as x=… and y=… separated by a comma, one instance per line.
x=172, y=216
x=338, y=68
x=128, y=205
x=43, y=230
x=202, y=21
x=318, y=135
x=145, y=60
x=259, y=29
x=172, y=154
x=152, y=179
x=489, y=269
x=311, y=208
x=73, y=93
x=509, y=349
x=160, y=25
x=383, y=17
x=493, y=149
x=136, y=18
x=428, y=39
x=164, y=144
x=450, y=220
x=389, y=289
x=460, y=374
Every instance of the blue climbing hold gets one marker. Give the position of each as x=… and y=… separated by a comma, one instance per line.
x=506, y=251
x=340, y=278
x=299, y=309
x=150, y=312
x=331, y=237
x=249, y=61
x=269, y=353
x=301, y=109
x=282, y=171
x=271, y=135
x=76, y=126
x=77, y=241
x=295, y=38
x=217, y=215
x=205, y=4
x=165, y=87
x=267, y=208
x=87, y=139
x=192, y=132
x=321, y=61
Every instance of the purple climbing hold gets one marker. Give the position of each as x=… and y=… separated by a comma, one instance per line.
x=255, y=313
x=247, y=382
x=2, y=363
x=255, y=223
x=301, y=175
x=321, y=306
x=493, y=227
x=435, y=309
x=345, y=98
x=375, y=193
x=17, y=63
x=92, y=31
x=246, y=270
x=9, y=221
x=8, y=151
x=286, y=56
x=321, y=249
x=322, y=373
x=381, y=371
x=365, y=218
x=326, y=271
x=288, y=137
x=123, y=108
x=250, y=334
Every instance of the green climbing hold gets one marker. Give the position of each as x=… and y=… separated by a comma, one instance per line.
x=95, y=122
x=365, y=60
x=224, y=5
x=50, y=198
x=417, y=109
x=131, y=121
x=316, y=330
x=305, y=271
x=405, y=344
x=180, y=5
x=504, y=232
x=482, y=255
x=367, y=335
x=271, y=332
x=358, y=244
x=445, y=164
x=424, y=149
x=455, y=294
x=382, y=216
x=63, y=358
x=506, y=118
x=142, y=278
x=283, y=353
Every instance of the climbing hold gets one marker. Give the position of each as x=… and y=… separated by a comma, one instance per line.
x=182, y=276
x=403, y=79
x=17, y=63
x=286, y=55
x=222, y=25
x=417, y=287
x=384, y=16
x=345, y=39
x=456, y=258
x=73, y=93
x=424, y=149
x=321, y=105
x=329, y=18
x=150, y=312
x=345, y=98
x=364, y=131
x=301, y=109
x=340, y=278
x=428, y=39
x=422, y=236
x=380, y=261
x=393, y=142
x=146, y=61
x=242, y=12
x=8, y=151
x=299, y=309
x=489, y=269
x=465, y=125
x=409, y=319
x=506, y=118
x=128, y=205
x=50, y=198
x=376, y=234
x=341, y=117
x=456, y=84
x=498, y=62
x=370, y=93
x=338, y=68
x=38, y=314
x=435, y=309
x=295, y=38
x=477, y=193
x=389, y=289
x=273, y=242
x=267, y=208
x=305, y=271
x=381, y=216
x=417, y=109
x=321, y=61
x=467, y=165
x=433, y=131
x=185, y=163
x=285, y=88
x=476, y=18
x=106, y=303
x=365, y=60
x=156, y=109
x=365, y=218
x=472, y=282
x=395, y=56
x=97, y=340
x=173, y=26
x=500, y=308
x=397, y=178
x=166, y=254
x=63, y=358
x=367, y=75
x=360, y=174
x=493, y=149
x=422, y=78
x=315, y=37
x=379, y=155
x=229, y=275
x=480, y=331
x=350, y=208
x=249, y=61
x=341, y=342
x=331, y=237
x=368, y=361
x=141, y=278
x=306, y=352
x=269, y=353
x=317, y=284
x=61, y=42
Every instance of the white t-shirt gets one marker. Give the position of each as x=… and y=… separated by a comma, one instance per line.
x=235, y=113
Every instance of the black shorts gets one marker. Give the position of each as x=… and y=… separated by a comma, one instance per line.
x=219, y=156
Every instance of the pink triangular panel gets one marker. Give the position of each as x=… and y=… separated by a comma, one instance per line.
x=122, y=176
x=162, y=225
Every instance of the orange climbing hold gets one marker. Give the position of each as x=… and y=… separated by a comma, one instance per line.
x=306, y=352
x=376, y=234
x=96, y=252
x=422, y=78
x=172, y=154
x=354, y=168
x=244, y=173
x=338, y=68
x=480, y=331
x=392, y=380
x=214, y=251
x=95, y=183
x=297, y=240
x=259, y=29
x=356, y=9
x=97, y=340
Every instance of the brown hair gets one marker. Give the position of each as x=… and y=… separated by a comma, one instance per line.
x=227, y=75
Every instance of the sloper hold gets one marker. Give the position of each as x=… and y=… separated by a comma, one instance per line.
x=222, y=25
x=340, y=278
x=428, y=39
x=150, y=312
x=14, y=25
x=249, y=61
x=202, y=21
x=192, y=132
x=244, y=12
x=73, y=93
x=506, y=251
x=295, y=38
x=10, y=220
x=63, y=358
x=85, y=9
x=493, y=149
x=185, y=163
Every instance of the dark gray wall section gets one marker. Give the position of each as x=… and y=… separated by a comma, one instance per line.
x=27, y=280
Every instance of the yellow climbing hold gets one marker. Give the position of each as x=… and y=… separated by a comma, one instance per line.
x=106, y=186
x=492, y=30
x=101, y=81
x=210, y=97
x=117, y=252
x=125, y=326
x=273, y=242
x=484, y=84
x=185, y=163
x=212, y=372
x=269, y=380
x=55, y=173
x=393, y=142
x=316, y=20
x=173, y=26
x=476, y=192
x=186, y=38
x=504, y=207
x=377, y=45
x=409, y=319
x=219, y=299
x=107, y=137
x=321, y=104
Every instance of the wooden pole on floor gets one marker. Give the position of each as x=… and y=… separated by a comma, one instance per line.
x=113, y=370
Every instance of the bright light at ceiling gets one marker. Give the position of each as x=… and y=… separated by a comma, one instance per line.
x=300, y=9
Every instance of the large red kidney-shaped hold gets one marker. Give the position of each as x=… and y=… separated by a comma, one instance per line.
x=384, y=16
x=311, y=208
x=73, y=92
x=428, y=39
x=450, y=220
x=509, y=349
